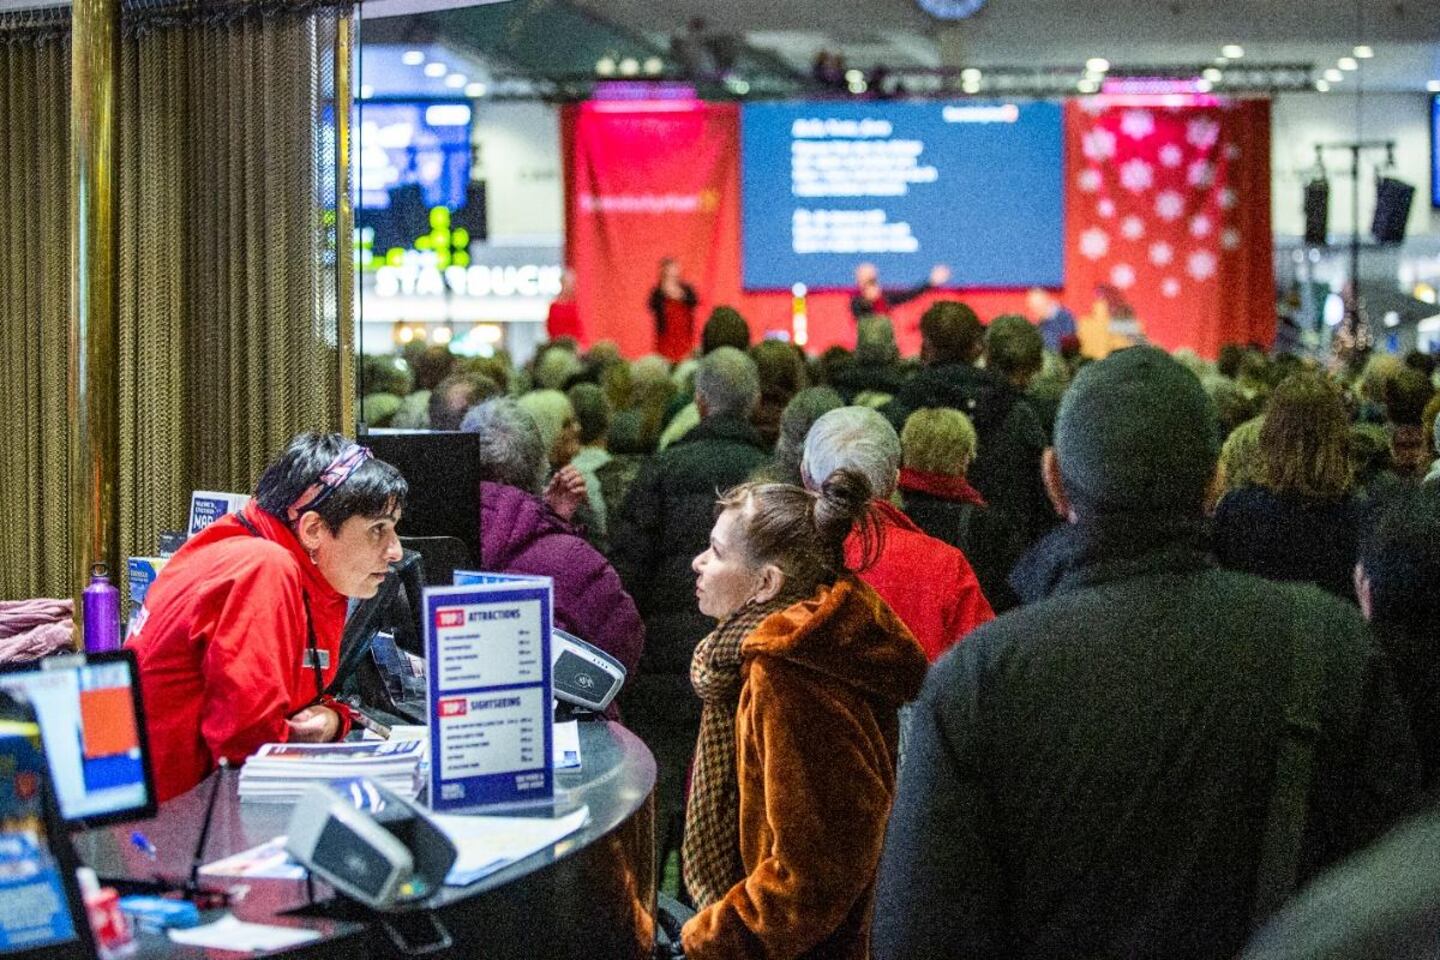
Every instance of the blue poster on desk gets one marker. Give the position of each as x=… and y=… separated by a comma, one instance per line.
x=490, y=710
x=37, y=910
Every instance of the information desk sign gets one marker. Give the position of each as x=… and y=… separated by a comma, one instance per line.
x=491, y=720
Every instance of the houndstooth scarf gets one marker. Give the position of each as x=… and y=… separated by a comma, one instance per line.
x=710, y=854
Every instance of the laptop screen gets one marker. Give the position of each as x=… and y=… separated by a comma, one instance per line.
x=94, y=732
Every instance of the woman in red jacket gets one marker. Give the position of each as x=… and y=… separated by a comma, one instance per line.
x=240, y=633
x=563, y=317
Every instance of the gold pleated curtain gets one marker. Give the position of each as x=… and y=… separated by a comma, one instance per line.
x=231, y=249
x=34, y=305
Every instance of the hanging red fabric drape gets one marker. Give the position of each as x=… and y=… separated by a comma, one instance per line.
x=645, y=181
x=1168, y=213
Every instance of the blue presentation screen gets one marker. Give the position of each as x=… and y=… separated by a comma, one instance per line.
x=974, y=186
x=1435, y=151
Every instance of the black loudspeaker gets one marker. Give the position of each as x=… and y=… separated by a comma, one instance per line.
x=1317, y=213
x=1392, y=209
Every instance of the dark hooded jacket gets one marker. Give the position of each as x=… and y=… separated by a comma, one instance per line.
x=816, y=736
x=665, y=522
x=1007, y=466
x=1089, y=775
x=1285, y=536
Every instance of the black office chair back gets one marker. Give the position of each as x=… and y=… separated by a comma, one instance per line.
x=440, y=557
x=390, y=609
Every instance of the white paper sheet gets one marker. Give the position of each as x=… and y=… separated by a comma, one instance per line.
x=487, y=844
x=229, y=933
x=265, y=861
x=403, y=732
x=567, y=745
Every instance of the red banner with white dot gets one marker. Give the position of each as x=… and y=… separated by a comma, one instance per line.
x=1168, y=210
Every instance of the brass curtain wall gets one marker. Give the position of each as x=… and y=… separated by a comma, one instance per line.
x=229, y=301
x=34, y=313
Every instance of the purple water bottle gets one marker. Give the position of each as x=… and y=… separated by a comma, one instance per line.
x=102, y=612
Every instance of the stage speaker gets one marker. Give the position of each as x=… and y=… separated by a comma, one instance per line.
x=1317, y=212
x=1392, y=209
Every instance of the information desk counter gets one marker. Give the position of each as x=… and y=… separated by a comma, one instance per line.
x=590, y=895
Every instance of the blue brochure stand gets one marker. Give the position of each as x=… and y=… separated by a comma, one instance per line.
x=489, y=692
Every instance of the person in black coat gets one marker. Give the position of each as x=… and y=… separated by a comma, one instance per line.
x=1089, y=775
x=876, y=369
x=799, y=416
x=870, y=298
x=1012, y=438
x=1300, y=522
x=1382, y=904
x=1396, y=582
x=662, y=526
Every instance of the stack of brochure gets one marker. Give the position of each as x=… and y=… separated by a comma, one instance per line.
x=281, y=772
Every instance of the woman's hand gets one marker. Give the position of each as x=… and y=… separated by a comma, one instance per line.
x=315, y=724
x=566, y=492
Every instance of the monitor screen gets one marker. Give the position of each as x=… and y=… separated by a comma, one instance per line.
x=422, y=146
x=94, y=732
x=42, y=917
x=905, y=186
x=443, y=470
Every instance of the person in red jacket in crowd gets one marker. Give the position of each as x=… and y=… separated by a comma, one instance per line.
x=672, y=305
x=927, y=582
x=240, y=633
x=563, y=318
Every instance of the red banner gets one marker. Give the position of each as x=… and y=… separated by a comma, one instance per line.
x=1168, y=218
x=647, y=181
x=1167, y=213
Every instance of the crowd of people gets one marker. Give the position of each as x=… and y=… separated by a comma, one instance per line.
x=995, y=651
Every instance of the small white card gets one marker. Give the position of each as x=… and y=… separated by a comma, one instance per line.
x=567, y=745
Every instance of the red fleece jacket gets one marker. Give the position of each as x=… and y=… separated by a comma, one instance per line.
x=926, y=581
x=221, y=644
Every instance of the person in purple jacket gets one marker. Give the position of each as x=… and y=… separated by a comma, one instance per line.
x=521, y=533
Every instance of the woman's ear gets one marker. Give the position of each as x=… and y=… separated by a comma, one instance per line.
x=307, y=530
x=1216, y=490
x=771, y=582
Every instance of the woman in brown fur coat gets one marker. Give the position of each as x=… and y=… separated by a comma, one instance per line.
x=821, y=667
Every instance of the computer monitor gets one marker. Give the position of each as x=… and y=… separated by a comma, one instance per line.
x=443, y=470
x=93, y=725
